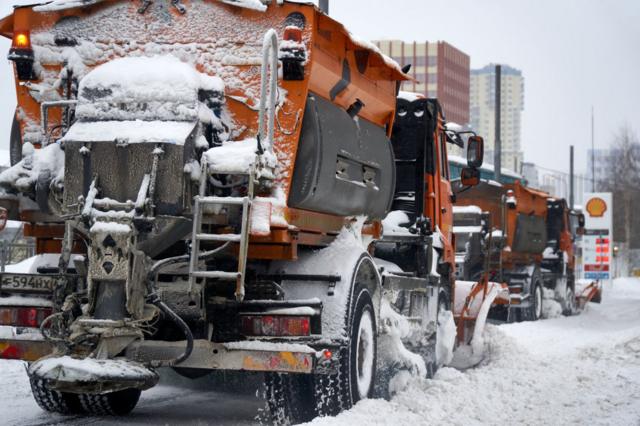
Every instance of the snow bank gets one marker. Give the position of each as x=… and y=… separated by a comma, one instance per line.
x=569, y=370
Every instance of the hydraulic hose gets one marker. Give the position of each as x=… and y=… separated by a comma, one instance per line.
x=154, y=299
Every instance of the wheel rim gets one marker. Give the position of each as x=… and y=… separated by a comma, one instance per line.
x=571, y=301
x=538, y=295
x=365, y=354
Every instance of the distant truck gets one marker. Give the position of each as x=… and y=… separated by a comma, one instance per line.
x=522, y=237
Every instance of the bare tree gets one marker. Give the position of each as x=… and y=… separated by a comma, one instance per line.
x=623, y=180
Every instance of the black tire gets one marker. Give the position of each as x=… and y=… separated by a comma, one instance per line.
x=15, y=144
x=569, y=306
x=290, y=398
x=337, y=392
x=118, y=403
x=53, y=400
x=534, y=311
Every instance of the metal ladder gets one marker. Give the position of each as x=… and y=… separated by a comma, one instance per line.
x=242, y=238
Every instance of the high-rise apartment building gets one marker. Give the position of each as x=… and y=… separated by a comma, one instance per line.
x=439, y=71
x=482, y=99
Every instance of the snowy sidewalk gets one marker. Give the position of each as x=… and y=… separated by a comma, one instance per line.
x=579, y=370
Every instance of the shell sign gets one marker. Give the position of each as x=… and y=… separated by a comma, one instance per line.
x=596, y=207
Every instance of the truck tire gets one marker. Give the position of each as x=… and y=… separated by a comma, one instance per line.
x=357, y=360
x=117, y=403
x=15, y=143
x=534, y=311
x=53, y=400
x=569, y=303
x=289, y=398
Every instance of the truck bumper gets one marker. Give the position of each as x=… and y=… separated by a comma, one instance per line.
x=242, y=356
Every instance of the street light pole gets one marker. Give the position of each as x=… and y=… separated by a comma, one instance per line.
x=497, y=149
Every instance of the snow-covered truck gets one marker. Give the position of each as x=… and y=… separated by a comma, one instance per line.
x=523, y=237
x=210, y=178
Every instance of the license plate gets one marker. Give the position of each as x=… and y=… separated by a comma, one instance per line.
x=30, y=283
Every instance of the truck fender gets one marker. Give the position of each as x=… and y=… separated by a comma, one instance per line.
x=351, y=263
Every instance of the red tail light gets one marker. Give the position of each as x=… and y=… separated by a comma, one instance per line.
x=23, y=317
x=275, y=325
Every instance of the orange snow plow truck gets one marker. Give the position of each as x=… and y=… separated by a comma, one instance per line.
x=207, y=182
x=525, y=238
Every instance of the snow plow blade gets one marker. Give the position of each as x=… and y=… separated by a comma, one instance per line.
x=588, y=291
x=476, y=299
x=92, y=376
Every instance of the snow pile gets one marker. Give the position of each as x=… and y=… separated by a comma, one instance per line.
x=47, y=162
x=393, y=329
x=569, y=370
x=144, y=88
x=467, y=210
x=69, y=369
x=396, y=222
x=446, y=338
x=237, y=157
x=57, y=5
x=410, y=96
x=247, y=4
x=551, y=308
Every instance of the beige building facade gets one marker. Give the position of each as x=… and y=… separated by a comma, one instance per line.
x=482, y=111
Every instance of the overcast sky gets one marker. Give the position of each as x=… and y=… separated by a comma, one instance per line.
x=573, y=54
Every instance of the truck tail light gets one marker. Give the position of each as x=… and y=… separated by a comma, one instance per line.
x=23, y=317
x=275, y=325
x=21, y=54
x=293, y=33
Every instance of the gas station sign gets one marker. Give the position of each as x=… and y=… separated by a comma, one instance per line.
x=597, y=242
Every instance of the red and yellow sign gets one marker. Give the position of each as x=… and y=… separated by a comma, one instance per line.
x=596, y=207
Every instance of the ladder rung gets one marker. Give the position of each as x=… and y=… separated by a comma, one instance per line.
x=231, y=276
x=219, y=237
x=222, y=200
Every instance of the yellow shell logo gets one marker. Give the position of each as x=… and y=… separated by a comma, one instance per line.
x=596, y=207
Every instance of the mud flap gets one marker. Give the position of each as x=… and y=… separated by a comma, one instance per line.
x=471, y=317
x=92, y=376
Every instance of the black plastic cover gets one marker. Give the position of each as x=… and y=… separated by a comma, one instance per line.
x=344, y=166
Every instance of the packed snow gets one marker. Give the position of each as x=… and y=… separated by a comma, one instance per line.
x=583, y=369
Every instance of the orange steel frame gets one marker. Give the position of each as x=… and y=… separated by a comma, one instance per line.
x=329, y=46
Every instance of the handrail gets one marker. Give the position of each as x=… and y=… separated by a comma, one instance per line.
x=269, y=45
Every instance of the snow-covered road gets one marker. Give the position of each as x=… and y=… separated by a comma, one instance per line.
x=579, y=370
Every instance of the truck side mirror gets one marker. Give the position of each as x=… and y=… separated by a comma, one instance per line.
x=475, y=151
x=470, y=176
x=581, y=222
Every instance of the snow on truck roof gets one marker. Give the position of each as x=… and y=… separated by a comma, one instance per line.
x=147, y=78
x=140, y=99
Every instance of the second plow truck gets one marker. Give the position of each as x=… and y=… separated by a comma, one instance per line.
x=522, y=237
x=206, y=182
